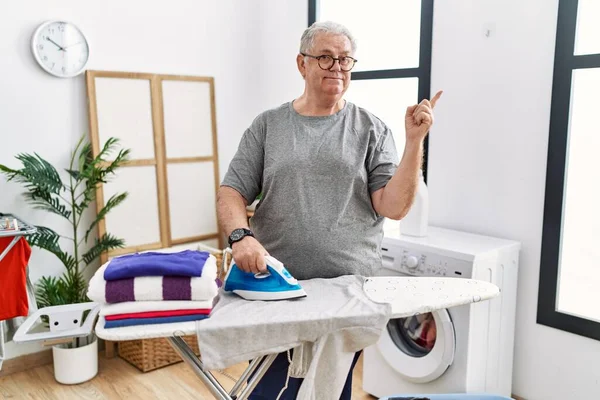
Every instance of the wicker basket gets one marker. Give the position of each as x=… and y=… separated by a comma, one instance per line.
x=150, y=354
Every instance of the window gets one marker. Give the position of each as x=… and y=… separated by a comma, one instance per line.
x=569, y=292
x=394, y=55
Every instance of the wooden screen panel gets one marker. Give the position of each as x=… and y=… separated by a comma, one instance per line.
x=187, y=118
x=124, y=108
x=192, y=199
x=136, y=220
x=122, y=105
x=169, y=123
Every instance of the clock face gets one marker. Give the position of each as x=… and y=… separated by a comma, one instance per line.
x=60, y=48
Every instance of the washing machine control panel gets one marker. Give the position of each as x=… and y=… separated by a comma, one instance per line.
x=417, y=263
x=422, y=264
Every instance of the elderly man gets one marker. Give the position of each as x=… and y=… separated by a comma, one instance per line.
x=328, y=172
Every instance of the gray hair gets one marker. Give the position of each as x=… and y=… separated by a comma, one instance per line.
x=308, y=37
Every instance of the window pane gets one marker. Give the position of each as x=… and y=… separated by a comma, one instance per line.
x=588, y=29
x=387, y=31
x=387, y=99
x=579, y=264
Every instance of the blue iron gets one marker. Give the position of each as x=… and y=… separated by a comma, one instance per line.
x=275, y=284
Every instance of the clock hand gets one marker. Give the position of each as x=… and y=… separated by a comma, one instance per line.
x=57, y=45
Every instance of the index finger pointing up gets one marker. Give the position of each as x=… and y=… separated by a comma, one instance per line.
x=436, y=98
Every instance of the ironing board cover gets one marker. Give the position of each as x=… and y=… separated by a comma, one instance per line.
x=407, y=296
x=418, y=295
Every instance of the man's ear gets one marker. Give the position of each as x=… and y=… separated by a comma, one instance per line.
x=300, y=64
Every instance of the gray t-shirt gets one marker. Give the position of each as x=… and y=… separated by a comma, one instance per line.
x=316, y=175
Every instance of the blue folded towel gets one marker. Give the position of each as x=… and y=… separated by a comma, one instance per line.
x=183, y=263
x=152, y=321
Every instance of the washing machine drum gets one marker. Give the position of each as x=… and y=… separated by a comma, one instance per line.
x=421, y=347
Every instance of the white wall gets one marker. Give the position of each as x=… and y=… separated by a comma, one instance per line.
x=487, y=165
x=228, y=40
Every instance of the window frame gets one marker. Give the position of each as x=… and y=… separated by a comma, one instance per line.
x=565, y=62
x=422, y=72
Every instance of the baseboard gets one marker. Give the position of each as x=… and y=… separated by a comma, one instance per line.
x=25, y=362
x=514, y=396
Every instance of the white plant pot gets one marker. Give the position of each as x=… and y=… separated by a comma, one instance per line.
x=76, y=365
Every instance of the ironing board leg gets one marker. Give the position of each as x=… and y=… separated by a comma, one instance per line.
x=261, y=371
x=218, y=391
x=1, y=343
x=247, y=372
x=206, y=377
x=4, y=253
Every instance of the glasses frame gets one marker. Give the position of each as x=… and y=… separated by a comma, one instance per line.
x=318, y=58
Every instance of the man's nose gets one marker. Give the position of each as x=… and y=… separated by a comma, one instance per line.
x=336, y=66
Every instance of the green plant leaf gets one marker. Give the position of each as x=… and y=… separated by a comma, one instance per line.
x=42, y=182
x=38, y=174
x=8, y=171
x=49, y=292
x=45, y=201
x=105, y=243
x=66, y=289
x=45, y=238
x=97, y=170
x=114, y=201
x=74, y=174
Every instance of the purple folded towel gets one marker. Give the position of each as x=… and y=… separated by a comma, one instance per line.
x=157, y=289
x=184, y=263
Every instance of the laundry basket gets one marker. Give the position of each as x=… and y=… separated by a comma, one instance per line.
x=455, y=396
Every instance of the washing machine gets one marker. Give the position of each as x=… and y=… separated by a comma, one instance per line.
x=458, y=350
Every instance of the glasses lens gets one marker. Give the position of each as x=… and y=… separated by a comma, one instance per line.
x=325, y=62
x=346, y=63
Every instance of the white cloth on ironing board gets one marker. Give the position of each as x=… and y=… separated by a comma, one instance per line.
x=325, y=329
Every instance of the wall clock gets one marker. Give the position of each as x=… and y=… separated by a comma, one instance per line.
x=60, y=48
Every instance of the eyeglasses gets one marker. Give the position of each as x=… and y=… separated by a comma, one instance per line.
x=327, y=62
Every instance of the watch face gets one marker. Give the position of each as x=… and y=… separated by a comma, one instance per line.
x=237, y=234
x=60, y=48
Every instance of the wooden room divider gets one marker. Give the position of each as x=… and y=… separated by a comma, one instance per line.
x=169, y=123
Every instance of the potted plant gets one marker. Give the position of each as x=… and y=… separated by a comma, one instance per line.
x=70, y=198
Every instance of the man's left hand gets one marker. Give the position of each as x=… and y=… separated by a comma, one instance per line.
x=419, y=118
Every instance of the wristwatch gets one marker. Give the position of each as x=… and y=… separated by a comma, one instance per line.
x=239, y=234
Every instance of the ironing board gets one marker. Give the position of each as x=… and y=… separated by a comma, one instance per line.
x=407, y=296
x=23, y=229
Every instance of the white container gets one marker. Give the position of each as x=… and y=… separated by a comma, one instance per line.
x=416, y=221
x=252, y=207
x=76, y=365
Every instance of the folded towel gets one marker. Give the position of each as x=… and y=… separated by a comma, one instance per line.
x=151, y=288
x=158, y=314
x=152, y=321
x=144, y=306
x=152, y=263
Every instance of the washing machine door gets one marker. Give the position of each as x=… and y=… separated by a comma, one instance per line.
x=421, y=347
